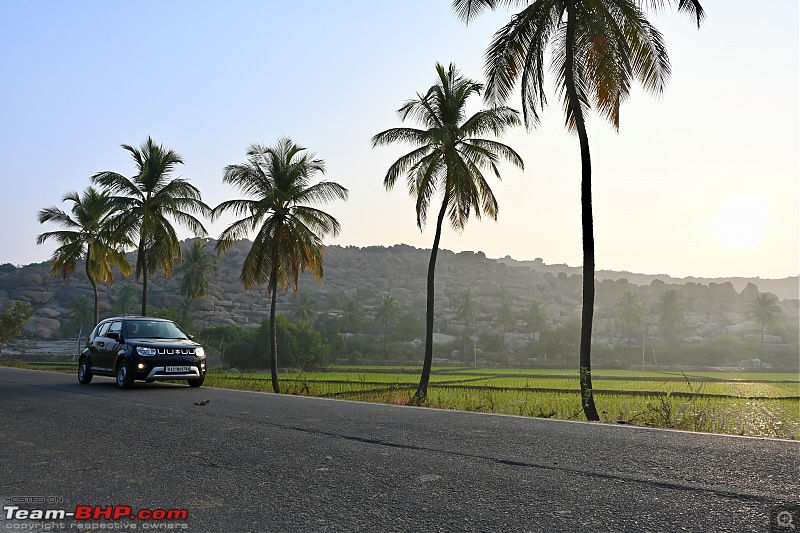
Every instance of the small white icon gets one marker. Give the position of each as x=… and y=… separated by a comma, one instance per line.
x=785, y=520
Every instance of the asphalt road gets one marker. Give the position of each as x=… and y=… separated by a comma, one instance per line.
x=264, y=462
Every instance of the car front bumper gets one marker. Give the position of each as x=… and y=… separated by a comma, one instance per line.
x=160, y=373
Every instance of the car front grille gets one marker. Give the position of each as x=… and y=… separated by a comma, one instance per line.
x=175, y=351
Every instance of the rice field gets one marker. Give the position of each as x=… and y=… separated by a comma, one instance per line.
x=753, y=404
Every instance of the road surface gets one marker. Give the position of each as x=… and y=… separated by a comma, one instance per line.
x=248, y=461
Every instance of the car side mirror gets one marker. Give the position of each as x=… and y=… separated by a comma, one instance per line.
x=113, y=335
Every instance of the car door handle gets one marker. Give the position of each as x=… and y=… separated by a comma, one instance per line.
x=101, y=344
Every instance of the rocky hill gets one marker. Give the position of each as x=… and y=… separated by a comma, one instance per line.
x=366, y=274
x=784, y=288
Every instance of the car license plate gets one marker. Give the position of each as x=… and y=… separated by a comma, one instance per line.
x=179, y=369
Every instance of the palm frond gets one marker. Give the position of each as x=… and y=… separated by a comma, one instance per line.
x=238, y=207
x=321, y=192
x=498, y=148
x=691, y=7
x=54, y=214
x=318, y=222
x=466, y=10
x=406, y=162
x=422, y=184
x=117, y=184
x=495, y=121
x=407, y=135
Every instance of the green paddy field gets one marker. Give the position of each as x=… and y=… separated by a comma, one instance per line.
x=757, y=404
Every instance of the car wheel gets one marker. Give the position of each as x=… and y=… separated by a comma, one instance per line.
x=196, y=382
x=124, y=375
x=84, y=374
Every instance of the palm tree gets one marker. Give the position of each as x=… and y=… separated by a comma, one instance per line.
x=448, y=159
x=386, y=313
x=91, y=235
x=289, y=232
x=352, y=315
x=150, y=199
x=764, y=310
x=466, y=311
x=125, y=298
x=670, y=307
x=197, y=268
x=304, y=308
x=81, y=313
x=598, y=48
x=629, y=312
x=535, y=317
x=505, y=320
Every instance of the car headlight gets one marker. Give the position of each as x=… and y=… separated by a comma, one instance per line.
x=141, y=350
x=199, y=351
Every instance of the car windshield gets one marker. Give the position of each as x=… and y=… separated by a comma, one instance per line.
x=152, y=329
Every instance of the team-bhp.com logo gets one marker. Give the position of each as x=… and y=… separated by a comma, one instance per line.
x=91, y=517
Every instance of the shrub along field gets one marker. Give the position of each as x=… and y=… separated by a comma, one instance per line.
x=755, y=404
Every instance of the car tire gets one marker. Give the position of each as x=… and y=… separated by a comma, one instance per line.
x=196, y=382
x=84, y=373
x=124, y=375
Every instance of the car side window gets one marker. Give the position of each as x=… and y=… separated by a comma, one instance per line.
x=116, y=327
x=102, y=329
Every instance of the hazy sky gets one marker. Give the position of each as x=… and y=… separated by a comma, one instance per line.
x=702, y=181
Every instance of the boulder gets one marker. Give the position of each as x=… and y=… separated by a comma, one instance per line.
x=745, y=326
x=46, y=312
x=768, y=339
x=441, y=338
x=42, y=328
x=749, y=292
x=401, y=294
x=35, y=295
x=15, y=280
x=351, y=294
x=553, y=312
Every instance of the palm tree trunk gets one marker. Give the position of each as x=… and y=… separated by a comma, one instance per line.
x=464, y=344
x=503, y=348
x=273, y=336
x=587, y=314
x=385, y=328
x=94, y=288
x=141, y=260
x=185, y=312
x=422, y=390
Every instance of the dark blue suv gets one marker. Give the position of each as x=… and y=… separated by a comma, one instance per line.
x=149, y=349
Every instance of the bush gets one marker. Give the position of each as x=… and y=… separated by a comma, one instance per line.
x=299, y=344
x=238, y=346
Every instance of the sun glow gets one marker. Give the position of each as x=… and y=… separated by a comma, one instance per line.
x=740, y=223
